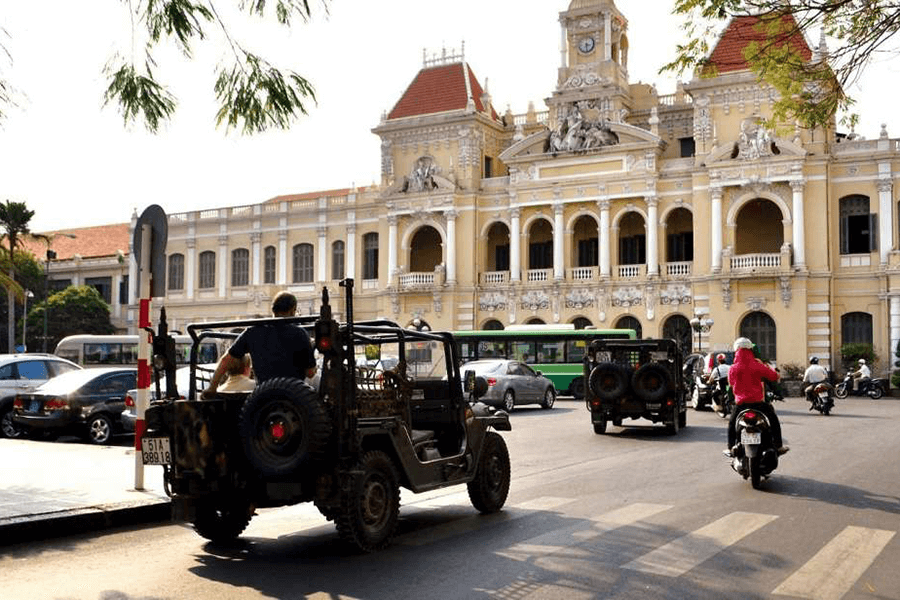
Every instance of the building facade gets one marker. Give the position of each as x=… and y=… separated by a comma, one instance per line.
x=613, y=207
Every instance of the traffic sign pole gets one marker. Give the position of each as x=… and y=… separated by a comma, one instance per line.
x=145, y=346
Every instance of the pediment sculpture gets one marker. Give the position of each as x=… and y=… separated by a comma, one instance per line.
x=581, y=127
x=425, y=176
x=755, y=141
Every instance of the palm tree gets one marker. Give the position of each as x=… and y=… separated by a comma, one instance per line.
x=14, y=218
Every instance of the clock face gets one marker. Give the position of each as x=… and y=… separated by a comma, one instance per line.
x=586, y=44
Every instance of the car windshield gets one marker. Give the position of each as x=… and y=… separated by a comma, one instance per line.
x=69, y=382
x=483, y=367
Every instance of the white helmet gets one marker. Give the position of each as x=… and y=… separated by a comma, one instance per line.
x=742, y=342
x=862, y=361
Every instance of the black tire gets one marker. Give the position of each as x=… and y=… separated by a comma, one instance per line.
x=875, y=392
x=754, y=472
x=608, y=381
x=283, y=425
x=509, y=400
x=840, y=391
x=682, y=419
x=600, y=427
x=489, y=489
x=370, y=508
x=675, y=426
x=222, y=519
x=8, y=429
x=549, y=398
x=99, y=429
x=577, y=388
x=651, y=382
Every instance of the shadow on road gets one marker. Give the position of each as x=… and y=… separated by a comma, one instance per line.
x=833, y=493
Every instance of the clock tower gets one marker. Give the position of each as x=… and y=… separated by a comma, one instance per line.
x=593, y=67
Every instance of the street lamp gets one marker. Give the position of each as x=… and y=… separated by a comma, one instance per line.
x=28, y=294
x=51, y=255
x=701, y=326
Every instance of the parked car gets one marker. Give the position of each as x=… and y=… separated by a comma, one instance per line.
x=512, y=383
x=87, y=402
x=22, y=373
x=182, y=381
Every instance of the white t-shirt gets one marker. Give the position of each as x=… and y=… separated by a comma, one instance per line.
x=864, y=372
x=815, y=374
x=720, y=371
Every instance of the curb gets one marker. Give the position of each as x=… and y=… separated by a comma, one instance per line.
x=30, y=528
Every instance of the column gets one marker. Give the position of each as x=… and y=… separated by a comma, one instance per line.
x=282, y=257
x=190, y=269
x=323, y=254
x=558, y=236
x=132, y=274
x=607, y=36
x=895, y=326
x=515, y=259
x=255, y=256
x=652, y=236
x=563, y=44
x=716, y=229
x=114, y=296
x=451, y=246
x=885, y=220
x=604, y=238
x=223, y=265
x=392, y=249
x=350, y=256
x=799, y=224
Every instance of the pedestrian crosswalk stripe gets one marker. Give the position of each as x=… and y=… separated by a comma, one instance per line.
x=680, y=556
x=560, y=542
x=835, y=568
x=475, y=522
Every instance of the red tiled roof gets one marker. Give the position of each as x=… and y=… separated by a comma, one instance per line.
x=89, y=242
x=728, y=55
x=439, y=89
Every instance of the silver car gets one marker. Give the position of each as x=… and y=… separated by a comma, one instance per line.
x=512, y=383
x=23, y=373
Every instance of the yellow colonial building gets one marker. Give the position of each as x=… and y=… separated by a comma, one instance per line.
x=613, y=206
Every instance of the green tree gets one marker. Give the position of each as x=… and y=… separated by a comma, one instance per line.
x=811, y=91
x=29, y=276
x=74, y=310
x=253, y=95
x=14, y=219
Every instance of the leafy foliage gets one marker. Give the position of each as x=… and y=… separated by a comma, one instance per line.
x=792, y=371
x=74, y=310
x=850, y=353
x=811, y=92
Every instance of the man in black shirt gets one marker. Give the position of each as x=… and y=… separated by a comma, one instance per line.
x=277, y=350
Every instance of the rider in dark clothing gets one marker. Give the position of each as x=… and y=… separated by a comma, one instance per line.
x=277, y=350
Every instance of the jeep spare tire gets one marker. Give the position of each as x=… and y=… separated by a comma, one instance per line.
x=651, y=382
x=283, y=425
x=608, y=381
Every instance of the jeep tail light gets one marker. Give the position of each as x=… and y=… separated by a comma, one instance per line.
x=129, y=401
x=56, y=404
x=18, y=403
x=595, y=403
x=492, y=381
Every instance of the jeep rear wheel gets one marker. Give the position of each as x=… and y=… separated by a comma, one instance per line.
x=490, y=487
x=651, y=382
x=283, y=425
x=222, y=519
x=608, y=381
x=371, y=508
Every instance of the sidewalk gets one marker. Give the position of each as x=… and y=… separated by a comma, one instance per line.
x=54, y=489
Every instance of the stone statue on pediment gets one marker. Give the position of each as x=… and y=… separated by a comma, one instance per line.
x=755, y=140
x=581, y=127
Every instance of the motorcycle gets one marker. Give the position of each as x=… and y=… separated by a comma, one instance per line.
x=869, y=387
x=820, y=398
x=754, y=456
x=722, y=398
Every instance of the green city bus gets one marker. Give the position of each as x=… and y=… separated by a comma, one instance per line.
x=555, y=350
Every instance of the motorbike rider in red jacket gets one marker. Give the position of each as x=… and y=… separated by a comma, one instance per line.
x=747, y=377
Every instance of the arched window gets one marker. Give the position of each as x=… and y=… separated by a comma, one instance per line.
x=269, y=264
x=493, y=325
x=337, y=260
x=207, y=266
x=678, y=328
x=240, y=267
x=581, y=322
x=629, y=322
x=176, y=272
x=303, y=263
x=370, y=256
x=760, y=329
x=856, y=328
x=535, y=321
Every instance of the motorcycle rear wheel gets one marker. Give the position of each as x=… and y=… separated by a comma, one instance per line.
x=875, y=392
x=755, y=475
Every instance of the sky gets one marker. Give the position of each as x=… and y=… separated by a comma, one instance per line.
x=76, y=164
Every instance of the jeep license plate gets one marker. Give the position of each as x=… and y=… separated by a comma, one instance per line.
x=155, y=451
x=654, y=406
x=750, y=438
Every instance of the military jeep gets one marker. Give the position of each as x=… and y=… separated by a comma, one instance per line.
x=635, y=379
x=390, y=410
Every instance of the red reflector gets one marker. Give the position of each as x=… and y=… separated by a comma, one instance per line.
x=129, y=401
x=323, y=344
x=750, y=415
x=595, y=403
x=492, y=381
x=278, y=431
x=670, y=402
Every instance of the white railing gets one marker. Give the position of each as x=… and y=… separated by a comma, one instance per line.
x=679, y=269
x=416, y=280
x=538, y=275
x=583, y=274
x=370, y=284
x=540, y=117
x=631, y=271
x=672, y=99
x=753, y=262
x=494, y=278
x=209, y=214
x=242, y=211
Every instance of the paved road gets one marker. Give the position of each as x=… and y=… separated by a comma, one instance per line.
x=634, y=514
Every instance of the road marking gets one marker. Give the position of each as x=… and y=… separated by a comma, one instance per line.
x=559, y=542
x=476, y=522
x=835, y=568
x=680, y=556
